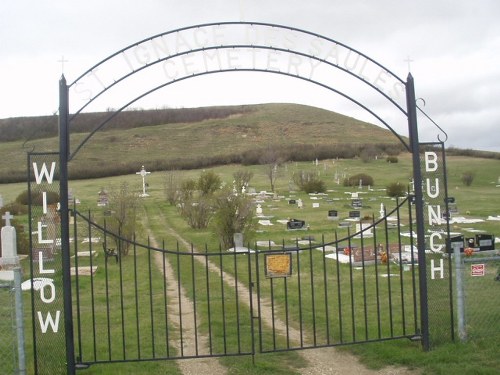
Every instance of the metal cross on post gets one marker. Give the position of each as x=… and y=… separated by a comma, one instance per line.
x=143, y=174
x=62, y=61
x=7, y=218
x=408, y=60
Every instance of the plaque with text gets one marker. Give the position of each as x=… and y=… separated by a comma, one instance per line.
x=278, y=265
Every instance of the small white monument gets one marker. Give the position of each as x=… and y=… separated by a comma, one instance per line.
x=382, y=211
x=9, y=259
x=300, y=204
x=258, y=210
x=143, y=173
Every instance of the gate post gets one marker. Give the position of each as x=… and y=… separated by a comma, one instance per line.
x=419, y=208
x=64, y=211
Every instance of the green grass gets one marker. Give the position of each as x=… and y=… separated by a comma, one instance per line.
x=476, y=356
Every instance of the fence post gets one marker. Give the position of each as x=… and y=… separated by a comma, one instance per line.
x=21, y=355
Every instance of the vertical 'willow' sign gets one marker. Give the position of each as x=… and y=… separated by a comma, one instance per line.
x=46, y=266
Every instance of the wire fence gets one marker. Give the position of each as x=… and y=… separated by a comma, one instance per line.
x=8, y=336
x=481, y=280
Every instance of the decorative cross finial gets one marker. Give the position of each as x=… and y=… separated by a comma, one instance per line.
x=408, y=60
x=7, y=218
x=62, y=61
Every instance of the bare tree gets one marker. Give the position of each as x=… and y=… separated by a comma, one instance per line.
x=272, y=159
x=123, y=204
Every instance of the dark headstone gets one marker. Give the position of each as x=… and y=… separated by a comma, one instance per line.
x=295, y=224
x=354, y=214
x=292, y=201
x=485, y=242
x=457, y=241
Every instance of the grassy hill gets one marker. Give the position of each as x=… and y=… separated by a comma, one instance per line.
x=191, y=138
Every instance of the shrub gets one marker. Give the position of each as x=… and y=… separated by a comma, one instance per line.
x=467, y=178
x=208, y=183
x=392, y=159
x=309, y=182
x=354, y=180
x=396, y=189
x=37, y=198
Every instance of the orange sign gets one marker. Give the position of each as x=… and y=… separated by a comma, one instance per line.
x=278, y=265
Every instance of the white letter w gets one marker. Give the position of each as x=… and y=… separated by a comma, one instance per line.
x=44, y=172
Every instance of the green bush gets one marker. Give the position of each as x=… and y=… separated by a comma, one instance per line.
x=309, y=182
x=392, y=159
x=354, y=180
x=396, y=189
x=37, y=198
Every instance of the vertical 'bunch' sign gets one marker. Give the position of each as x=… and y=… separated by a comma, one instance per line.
x=46, y=266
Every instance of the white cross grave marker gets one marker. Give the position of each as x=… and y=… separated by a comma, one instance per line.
x=7, y=218
x=143, y=174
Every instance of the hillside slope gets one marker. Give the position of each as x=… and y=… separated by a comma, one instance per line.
x=218, y=135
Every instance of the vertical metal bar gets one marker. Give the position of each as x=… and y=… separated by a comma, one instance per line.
x=207, y=276
x=257, y=277
x=179, y=298
x=351, y=284
x=165, y=297
x=313, y=300
x=419, y=209
x=363, y=275
x=92, y=301
x=122, y=307
x=236, y=296
x=413, y=276
x=250, y=294
x=65, y=248
x=136, y=297
x=401, y=275
x=301, y=323
x=287, y=315
x=193, y=281
x=388, y=270
x=223, y=305
x=151, y=309
x=273, y=317
x=108, y=318
x=339, y=290
x=325, y=286
x=77, y=286
x=377, y=290
x=21, y=355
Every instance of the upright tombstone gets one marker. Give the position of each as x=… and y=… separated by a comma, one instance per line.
x=9, y=257
x=1, y=201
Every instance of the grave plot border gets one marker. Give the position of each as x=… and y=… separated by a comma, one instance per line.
x=204, y=40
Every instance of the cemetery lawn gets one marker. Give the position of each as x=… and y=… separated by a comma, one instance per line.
x=480, y=200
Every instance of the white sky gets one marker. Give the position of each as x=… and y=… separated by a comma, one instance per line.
x=454, y=45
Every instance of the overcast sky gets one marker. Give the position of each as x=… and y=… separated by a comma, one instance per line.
x=453, y=47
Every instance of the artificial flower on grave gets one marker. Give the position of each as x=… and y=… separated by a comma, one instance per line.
x=468, y=251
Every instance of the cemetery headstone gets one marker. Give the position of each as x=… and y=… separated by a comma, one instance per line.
x=295, y=224
x=357, y=203
x=457, y=242
x=382, y=211
x=1, y=201
x=103, y=199
x=300, y=204
x=292, y=201
x=485, y=242
x=333, y=215
x=354, y=214
x=9, y=257
x=258, y=210
x=238, y=240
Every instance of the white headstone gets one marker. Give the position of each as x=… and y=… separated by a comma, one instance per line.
x=300, y=204
x=238, y=240
x=9, y=250
x=382, y=210
x=258, y=210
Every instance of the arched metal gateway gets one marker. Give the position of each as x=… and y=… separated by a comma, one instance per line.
x=73, y=323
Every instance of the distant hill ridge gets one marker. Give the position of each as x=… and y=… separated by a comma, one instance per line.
x=193, y=138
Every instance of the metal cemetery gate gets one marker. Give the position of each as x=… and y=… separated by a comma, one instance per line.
x=164, y=302
x=321, y=303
